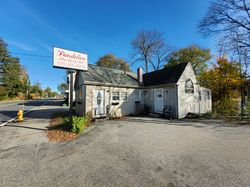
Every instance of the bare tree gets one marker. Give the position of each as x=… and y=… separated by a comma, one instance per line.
x=230, y=19
x=227, y=17
x=161, y=55
x=147, y=44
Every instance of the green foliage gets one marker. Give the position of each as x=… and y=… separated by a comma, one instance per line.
x=48, y=92
x=111, y=61
x=223, y=79
x=248, y=107
x=36, y=90
x=61, y=88
x=226, y=107
x=196, y=55
x=13, y=76
x=79, y=124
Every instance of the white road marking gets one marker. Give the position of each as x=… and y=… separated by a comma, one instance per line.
x=5, y=123
x=9, y=104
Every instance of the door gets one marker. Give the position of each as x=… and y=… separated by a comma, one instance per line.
x=99, y=103
x=158, y=100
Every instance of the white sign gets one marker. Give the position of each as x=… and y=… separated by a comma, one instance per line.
x=63, y=58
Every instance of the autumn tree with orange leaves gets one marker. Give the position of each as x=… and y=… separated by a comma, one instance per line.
x=224, y=79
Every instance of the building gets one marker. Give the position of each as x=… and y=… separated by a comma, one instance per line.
x=67, y=91
x=105, y=92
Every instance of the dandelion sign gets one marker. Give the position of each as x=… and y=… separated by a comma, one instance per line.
x=67, y=59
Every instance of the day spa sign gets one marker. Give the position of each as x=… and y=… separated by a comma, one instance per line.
x=67, y=59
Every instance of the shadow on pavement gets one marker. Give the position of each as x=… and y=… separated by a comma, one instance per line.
x=35, y=114
x=49, y=102
x=198, y=124
x=20, y=126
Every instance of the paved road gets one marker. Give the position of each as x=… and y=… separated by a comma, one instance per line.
x=128, y=152
x=8, y=110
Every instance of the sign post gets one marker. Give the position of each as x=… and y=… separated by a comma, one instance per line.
x=71, y=88
x=70, y=60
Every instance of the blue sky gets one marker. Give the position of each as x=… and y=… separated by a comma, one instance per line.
x=94, y=27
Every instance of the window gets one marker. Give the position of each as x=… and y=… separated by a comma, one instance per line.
x=200, y=95
x=115, y=96
x=208, y=95
x=124, y=96
x=189, y=87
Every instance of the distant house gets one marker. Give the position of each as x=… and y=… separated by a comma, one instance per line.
x=103, y=91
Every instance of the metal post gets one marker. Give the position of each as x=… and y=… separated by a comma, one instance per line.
x=71, y=87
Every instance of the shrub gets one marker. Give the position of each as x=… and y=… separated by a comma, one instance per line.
x=227, y=107
x=78, y=124
x=248, y=107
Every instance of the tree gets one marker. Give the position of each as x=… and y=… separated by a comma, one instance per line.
x=111, y=61
x=54, y=94
x=36, y=89
x=230, y=18
x=161, y=54
x=149, y=48
x=48, y=92
x=62, y=88
x=24, y=81
x=194, y=54
x=223, y=79
x=11, y=76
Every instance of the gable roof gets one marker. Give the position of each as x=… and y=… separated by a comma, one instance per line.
x=102, y=75
x=167, y=75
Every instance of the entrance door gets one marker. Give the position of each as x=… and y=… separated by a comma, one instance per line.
x=158, y=100
x=99, y=103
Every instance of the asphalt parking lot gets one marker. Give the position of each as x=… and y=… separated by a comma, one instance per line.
x=132, y=152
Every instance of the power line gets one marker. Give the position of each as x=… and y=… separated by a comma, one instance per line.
x=32, y=55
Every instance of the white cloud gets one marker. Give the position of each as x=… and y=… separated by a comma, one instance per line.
x=20, y=45
x=45, y=46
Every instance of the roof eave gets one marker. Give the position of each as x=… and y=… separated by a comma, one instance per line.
x=109, y=84
x=160, y=85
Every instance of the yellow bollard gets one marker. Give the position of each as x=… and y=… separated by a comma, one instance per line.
x=20, y=115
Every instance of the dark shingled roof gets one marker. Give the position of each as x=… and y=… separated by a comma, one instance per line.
x=104, y=75
x=167, y=75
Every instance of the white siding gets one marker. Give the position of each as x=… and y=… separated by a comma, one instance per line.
x=121, y=108
x=191, y=102
x=169, y=95
x=170, y=99
x=187, y=102
x=206, y=100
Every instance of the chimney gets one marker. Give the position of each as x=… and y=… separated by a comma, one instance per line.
x=139, y=75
